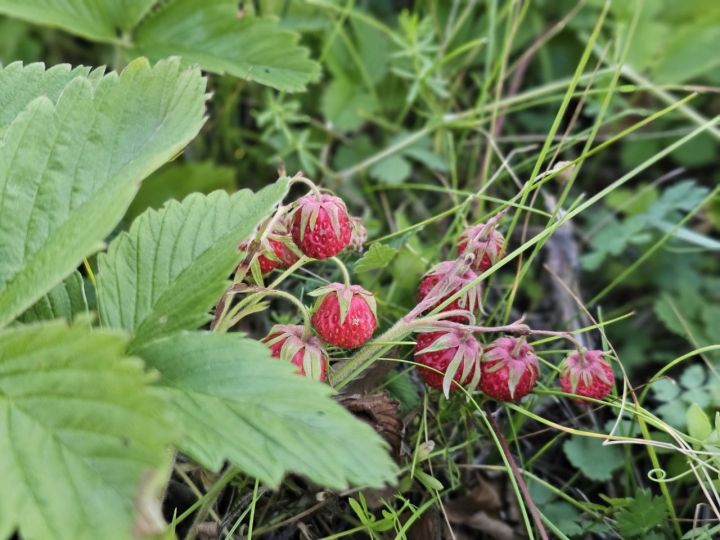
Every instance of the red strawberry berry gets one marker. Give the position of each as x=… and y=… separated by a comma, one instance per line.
x=453, y=349
x=454, y=278
x=321, y=225
x=487, y=245
x=278, y=250
x=269, y=260
x=344, y=315
x=288, y=342
x=509, y=369
x=586, y=373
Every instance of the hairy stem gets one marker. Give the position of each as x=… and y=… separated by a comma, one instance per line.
x=343, y=270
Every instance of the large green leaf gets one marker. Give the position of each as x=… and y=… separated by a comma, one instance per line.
x=168, y=270
x=237, y=403
x=101, y=20
x=213, y=34
x=80, y=430
x=68, y=170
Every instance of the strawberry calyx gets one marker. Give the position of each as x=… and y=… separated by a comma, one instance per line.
x=513, y=354
x=345, y=294
x=586, y=366
x=485, y=242
x=286, y=341
x=445, y=279
x=466, y=357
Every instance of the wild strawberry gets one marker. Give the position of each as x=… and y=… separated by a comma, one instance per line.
x=321, y=225
x=288, y=342
x=509, y=369
x=277, y=250
x=344, y=315
x=453, y=278
x=268, y=259
x=486, y=245
x=454, y=354
x=586, y=373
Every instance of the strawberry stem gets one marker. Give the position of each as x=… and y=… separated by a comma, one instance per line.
x=299, y=178
x=307, y=327
x=343, y=270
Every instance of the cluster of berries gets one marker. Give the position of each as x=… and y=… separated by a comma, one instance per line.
x=318, y=226
x=506, y=369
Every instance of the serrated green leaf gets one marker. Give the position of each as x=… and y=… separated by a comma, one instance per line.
x=377, y=257
x=98, y=20
x=170, y=268
x=20, y=84
x=595, y=461
x=69, y=170
x=64, y=301
x=81, y=430
x=237, y=403
x=213, y=34
x=641, y=514
x=177, y=181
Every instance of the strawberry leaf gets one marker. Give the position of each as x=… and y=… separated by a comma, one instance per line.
x=272, y=420
x=98, y=20
x=64, y=301
x=165, y=274
x=81, y=431
x=377, y=257
x=69, y=169
x=595, y=461
x=212, y=34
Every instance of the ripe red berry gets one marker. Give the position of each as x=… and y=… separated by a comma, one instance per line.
x=269, y=260
x=448, y=351
x=277, y=250
x=509, y=369
x=587, y=374
x=486, y=245
x=453, y=278
x=321, y=225
x=288, y=342
x=344, y=315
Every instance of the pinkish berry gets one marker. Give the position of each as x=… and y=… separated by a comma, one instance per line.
x=453, y=282
x=321, y=225
x=586, y=374
x=438, y=350
x=359, y=235
x=288, y=342
x=509, y=369
x=344, y=316
x=487, y=248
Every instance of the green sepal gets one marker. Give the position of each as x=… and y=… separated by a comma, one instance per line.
x=344, y=297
